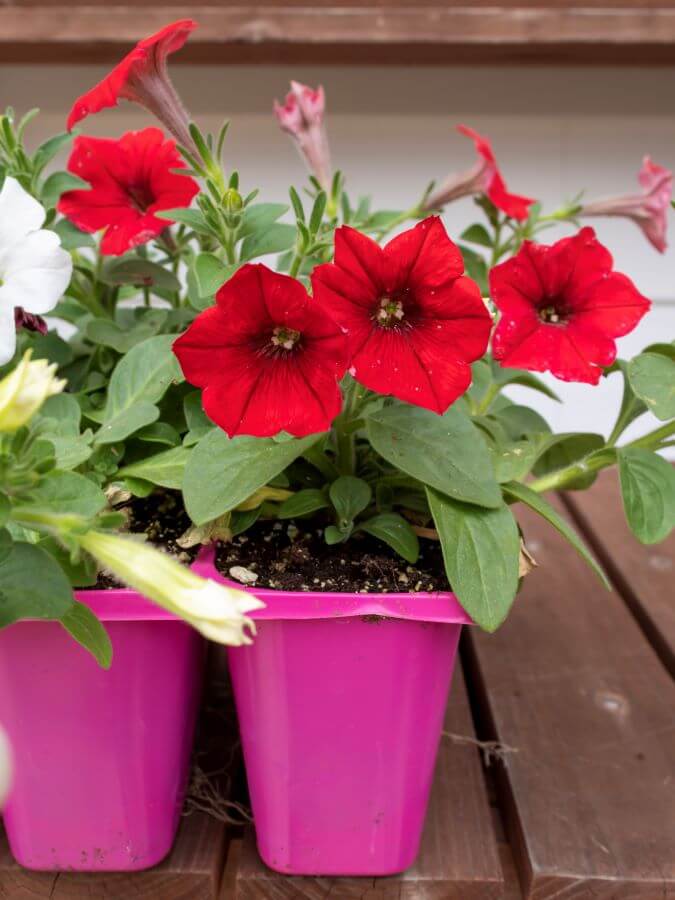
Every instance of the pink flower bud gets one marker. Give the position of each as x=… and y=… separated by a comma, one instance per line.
x=301, y=116
x=649, y=210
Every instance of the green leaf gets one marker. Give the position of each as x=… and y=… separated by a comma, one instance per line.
x=349, y=496
x=652, y=377
x=394, y=531
x=648, y=492
x=198, y=423
x=193, y=218
x=80, y=572
x=159, y=433
x=64, y=493
x=46, y=152
x=58, y=183
x=211, y=274
x=165, y=469
x=481, y=549
x=139, y=381
x=476, y=234
x=334, y=535
x=32, y=586
x=81, y=623
x=6, y=539
x=71, y=236
x=141, y=272
x=562, y=450
x=259, y=216
x=107, y=333
x=222, y=472
x=515, y=491
x=301, y=504
x=274, y=239
x=504, y=377
x=445, y=452
x=520, y=421
x=512, y=461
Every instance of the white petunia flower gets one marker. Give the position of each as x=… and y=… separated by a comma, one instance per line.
x=34, y=269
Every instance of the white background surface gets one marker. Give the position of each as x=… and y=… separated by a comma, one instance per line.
x=555, y=131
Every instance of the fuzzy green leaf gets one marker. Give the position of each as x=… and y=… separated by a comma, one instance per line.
x=481, y=549
x=648, y=492
x=516, y=491
x=444, y=452
x=222, y=472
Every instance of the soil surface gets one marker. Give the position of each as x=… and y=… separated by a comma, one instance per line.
x=288, y=556
x=162, y=518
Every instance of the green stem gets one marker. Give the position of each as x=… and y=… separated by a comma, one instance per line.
x=296, y=263
x=556, y=481
x=415, y=212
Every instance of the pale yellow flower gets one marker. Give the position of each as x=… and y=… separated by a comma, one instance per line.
x=215, y=610
x=25, y=389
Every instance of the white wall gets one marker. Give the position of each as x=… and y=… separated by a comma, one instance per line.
x=555, y=131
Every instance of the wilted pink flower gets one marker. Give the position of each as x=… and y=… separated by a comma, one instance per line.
x=483, y=177
x=301, y=116
x=649, y=209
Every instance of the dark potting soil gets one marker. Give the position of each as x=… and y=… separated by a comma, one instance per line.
x=161, y=517
x=290, y=556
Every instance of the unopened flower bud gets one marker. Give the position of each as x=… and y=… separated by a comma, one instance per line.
x=301, y=116
x=649, y=210
x=25, y=389
x=215, y=610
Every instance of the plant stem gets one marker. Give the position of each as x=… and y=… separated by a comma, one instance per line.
x=601, y=460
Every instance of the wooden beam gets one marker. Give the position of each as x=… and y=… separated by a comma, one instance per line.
x=386, y=33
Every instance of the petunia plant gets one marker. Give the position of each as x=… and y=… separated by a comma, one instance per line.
x=325, y=362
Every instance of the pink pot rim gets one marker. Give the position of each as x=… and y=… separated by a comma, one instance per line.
x=438, y=606
x=126, y=605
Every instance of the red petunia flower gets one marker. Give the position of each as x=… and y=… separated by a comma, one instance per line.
x=414, y=322
x=142, y=77
x=131, y=179
x=267, y=357
x=483, y=178
x=561, y=308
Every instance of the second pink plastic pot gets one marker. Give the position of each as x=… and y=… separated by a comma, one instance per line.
x=101, y=758
x=341, y=701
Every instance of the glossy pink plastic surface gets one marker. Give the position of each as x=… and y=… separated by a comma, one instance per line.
x=340, y=712
x=101, y=757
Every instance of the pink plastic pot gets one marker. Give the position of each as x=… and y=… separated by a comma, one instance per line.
x=341, y=699
x=101, y=757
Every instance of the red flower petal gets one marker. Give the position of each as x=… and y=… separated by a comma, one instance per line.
x=514, y=205
x=435, y=321
x=422, y=257
x=561, y=308
x=131, y=179
x=118, y=84
x=614, y=306
x=250, y=385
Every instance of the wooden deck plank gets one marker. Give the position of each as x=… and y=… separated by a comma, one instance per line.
x=572, y=684
x=459, y=859
x=351, y=32
x=645, y=575
x=191, y=872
